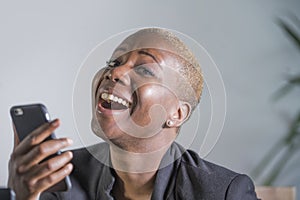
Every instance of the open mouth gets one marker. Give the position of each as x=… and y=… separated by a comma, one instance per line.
x=113, y=102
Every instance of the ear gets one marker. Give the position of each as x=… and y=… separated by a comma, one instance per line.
x=178, y=117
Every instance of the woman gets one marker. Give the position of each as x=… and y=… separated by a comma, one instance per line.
x=149, y=88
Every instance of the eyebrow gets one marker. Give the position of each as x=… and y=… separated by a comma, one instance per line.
x=149, y=54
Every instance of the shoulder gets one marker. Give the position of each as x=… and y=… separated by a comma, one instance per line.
x=195, y=164
x=241, y=187
x=207, y=180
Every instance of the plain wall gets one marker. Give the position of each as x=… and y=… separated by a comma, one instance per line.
x=43, y=44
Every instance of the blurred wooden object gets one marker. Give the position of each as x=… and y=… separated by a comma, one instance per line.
x=276, y=193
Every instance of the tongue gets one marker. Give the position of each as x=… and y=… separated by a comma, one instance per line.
x=113, y=106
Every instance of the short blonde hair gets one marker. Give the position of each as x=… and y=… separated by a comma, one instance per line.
x=190, y=68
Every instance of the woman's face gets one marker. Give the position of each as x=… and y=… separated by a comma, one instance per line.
x=135, y=95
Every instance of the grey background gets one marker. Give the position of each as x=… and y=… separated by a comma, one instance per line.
x=43, y=44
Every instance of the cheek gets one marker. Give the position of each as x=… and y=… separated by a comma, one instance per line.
x=156, y=95
x=149, y=96
x=155, y=103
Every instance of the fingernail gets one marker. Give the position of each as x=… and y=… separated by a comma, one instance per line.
x=55, y=123
x=69, y=141
x=70, y=154
x=69, y=167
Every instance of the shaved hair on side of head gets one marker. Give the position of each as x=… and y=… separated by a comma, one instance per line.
x=189, y=69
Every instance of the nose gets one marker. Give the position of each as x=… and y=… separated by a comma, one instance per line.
x=119, y=75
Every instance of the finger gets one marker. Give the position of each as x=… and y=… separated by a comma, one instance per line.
x=50, y=166
x=36, y=137
x=54, y=178
x=40, y=152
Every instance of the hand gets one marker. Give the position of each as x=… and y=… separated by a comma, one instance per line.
x=29, y=174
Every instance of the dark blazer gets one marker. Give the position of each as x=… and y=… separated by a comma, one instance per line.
x=183, y=175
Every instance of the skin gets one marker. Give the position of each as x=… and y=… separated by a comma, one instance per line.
x=145, y=92
x=27, y=176
x=136, y=153
x=149, y=93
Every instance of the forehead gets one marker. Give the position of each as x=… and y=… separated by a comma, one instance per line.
x=151, y=42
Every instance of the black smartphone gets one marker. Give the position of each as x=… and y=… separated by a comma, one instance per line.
x=7, y=194
x=27, y=118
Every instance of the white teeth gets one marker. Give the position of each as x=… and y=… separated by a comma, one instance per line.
x=110, y=97
x=115, y=99
x=104, y=95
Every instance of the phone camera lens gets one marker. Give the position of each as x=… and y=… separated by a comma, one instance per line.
x=18, y=111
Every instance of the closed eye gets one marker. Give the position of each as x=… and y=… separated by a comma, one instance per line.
x=144, y=71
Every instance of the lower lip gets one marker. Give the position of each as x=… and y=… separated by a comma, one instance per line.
x=106, y=111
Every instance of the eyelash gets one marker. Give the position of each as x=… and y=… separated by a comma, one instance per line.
x=141, y=69
x=144, y=71
x=112, y=63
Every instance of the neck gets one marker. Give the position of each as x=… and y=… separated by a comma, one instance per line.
x=136, y=163
x=134, y=185
x=135, y=172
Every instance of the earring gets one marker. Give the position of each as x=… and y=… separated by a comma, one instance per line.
x=170, y=123
x=109, y=75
